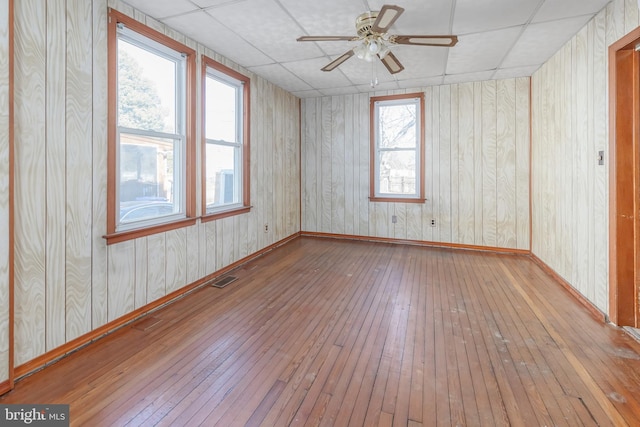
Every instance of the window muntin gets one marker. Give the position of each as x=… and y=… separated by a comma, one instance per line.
x=397, y=147
x=225, y=144
x=151, y=132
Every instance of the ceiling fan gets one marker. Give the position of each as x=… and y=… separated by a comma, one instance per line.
x=374, y=39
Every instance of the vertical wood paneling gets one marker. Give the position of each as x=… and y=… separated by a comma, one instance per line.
x=176, y=259
x=309, y=154
x=326, y=167
x=193, y=249
x=466, y=189
x=30, y=179
x=580, y=165
x=631, y=15
x=476, y=167
x=363, y=163
x=338, y=162
x=211, y=249
x=489, y=163
x=99, y=197
x=5, y=207
x=522, y=153
x=156, y=262
x=56, y=159
x=477, y=163
x=455, y=164
x=443, y=157
x=122, y=279
x=600, y=129
x=141, y=272
x=506, y=157
x=79, y=167
x=67, y=280
x=570, y=211
x=433, y=233
x=349, y=166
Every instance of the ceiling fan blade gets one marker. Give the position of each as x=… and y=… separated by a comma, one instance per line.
x=391, y=62
x=386, y=17
x=336, y=62
x=445, y=41
x=325, y=38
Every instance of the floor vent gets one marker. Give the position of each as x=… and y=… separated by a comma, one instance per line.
x=223, y=282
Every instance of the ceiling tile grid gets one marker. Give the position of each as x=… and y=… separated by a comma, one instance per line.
x=497, y=38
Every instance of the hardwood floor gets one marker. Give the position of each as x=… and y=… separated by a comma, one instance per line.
x=330, y=332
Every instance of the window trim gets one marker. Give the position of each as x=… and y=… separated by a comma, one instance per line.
x=374, y=149
x=246, y=150
x=112, y=235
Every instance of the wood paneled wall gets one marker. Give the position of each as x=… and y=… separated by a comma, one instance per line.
x=68, y=282
x=570, y=193
x=477, y=168
x=5, y=126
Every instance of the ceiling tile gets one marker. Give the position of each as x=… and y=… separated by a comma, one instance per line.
x=418, y=83
x=159, y=9
x=327, y=17
x=310, y=70
x=215, y=3
x=282, y=77
x=472, y=16
x=421, y=61
x=468, y=77
x=481, y=51
x=540, y=41
x=307, y=94
x=509, y=73
x=497, y=38
x=421, y=17
x=552, y=10
x=203, y=28
x=268, y=27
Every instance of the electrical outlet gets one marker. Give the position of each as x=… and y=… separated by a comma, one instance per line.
x=394, y=219
x=433, y=222
x=266, y=228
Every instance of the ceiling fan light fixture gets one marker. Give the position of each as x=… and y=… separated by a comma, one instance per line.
x=384, y=50
x=374, y=47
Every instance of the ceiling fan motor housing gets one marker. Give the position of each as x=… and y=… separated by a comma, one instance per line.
x=364, y=23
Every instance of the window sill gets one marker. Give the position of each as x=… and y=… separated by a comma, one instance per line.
x=225, y=214
x=396, y=200
x=123, y=236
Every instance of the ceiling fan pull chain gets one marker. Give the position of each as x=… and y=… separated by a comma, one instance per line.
x=374, y=77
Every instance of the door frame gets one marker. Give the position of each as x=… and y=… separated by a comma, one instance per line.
x=624, y=180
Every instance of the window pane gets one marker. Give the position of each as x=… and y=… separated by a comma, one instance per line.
x=221, y=175
x=397, y=126
x=147, y=177
x=397, y=172
x=221, y=114
x=146, y=89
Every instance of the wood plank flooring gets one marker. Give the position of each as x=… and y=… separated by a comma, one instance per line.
x=336, y=333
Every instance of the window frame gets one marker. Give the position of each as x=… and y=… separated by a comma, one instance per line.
x=245, y=203
x=113, y=235
x=374, y=196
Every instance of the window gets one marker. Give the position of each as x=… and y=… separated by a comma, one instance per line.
x=150, y=128
x=226, y=140
x=397, y=147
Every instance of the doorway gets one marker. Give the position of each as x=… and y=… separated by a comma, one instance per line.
x=624, y=131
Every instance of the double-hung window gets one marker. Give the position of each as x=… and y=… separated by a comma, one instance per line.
x=151, y=91
x=226, y=140
x=397, y=148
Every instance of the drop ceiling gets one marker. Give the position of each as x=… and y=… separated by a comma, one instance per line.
x=497, y=38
